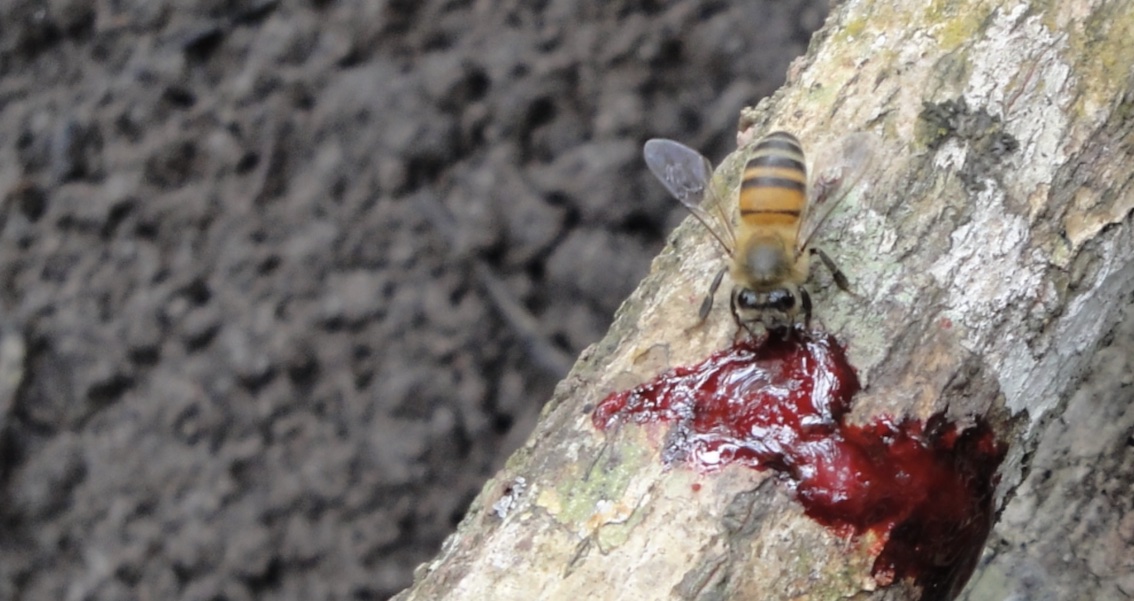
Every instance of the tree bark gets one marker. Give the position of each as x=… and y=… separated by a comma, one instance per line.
x=989, y=250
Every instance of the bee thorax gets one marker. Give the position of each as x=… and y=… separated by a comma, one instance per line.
x=766, y=261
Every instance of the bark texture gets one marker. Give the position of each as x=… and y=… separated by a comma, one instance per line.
x=1068, y=531
x=990, y=247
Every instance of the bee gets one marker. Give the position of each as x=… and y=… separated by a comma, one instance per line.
x=766, y=233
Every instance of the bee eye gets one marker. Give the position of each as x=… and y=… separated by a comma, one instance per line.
x=781, y=300
x=748, y=299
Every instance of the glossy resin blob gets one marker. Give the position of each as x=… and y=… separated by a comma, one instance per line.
x=925, y=489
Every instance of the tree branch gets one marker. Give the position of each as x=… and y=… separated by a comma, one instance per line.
x=991, y=247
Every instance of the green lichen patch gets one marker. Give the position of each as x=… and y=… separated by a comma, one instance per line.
x=578, y=497
x=1105, y=41
x=956, y=23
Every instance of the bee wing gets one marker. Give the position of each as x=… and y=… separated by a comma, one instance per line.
x=687, y=175
x=836, y=170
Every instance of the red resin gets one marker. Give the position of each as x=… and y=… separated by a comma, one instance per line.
x=925, y=490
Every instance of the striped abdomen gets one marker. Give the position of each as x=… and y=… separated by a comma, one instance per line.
x=773, y=190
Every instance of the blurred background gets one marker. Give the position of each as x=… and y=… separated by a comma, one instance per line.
x=284, y=282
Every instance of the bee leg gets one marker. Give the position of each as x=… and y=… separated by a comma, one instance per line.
x=707, y=304
x=840, y=278
x=732, y=306
x=736, y=316
x=741, y=325
x=805, y=301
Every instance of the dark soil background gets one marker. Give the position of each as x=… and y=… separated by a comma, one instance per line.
x=269, y=266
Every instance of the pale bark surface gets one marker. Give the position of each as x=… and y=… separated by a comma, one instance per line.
x=988, y=278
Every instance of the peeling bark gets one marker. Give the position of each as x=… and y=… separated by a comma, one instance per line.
x=990, y=249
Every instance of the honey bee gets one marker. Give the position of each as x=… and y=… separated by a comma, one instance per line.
x=776, y=215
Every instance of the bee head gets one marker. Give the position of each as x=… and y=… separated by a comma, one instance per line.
x=776, y=308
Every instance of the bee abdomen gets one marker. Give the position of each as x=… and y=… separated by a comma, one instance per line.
x=774, y=187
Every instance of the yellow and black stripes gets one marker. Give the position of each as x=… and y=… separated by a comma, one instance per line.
x=774, y=188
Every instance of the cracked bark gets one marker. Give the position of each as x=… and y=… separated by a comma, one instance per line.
x=991, y=247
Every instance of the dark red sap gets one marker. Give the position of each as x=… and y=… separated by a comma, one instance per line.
x=924, y=489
